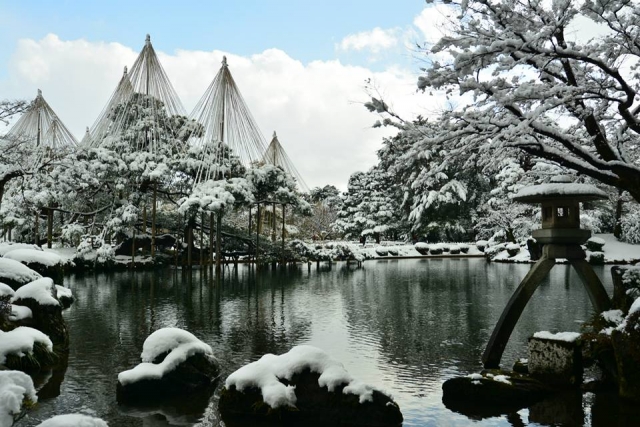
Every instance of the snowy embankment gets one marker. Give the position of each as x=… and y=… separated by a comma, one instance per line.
x=615, y=252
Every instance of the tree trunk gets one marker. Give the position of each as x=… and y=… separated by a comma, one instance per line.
x=153, y=220
x=283, y=223
x=257, y=234
x=273, y=224
x=617, y=228
x=36, y=229
x=211, y=239
x=49, y=227
x=218, y=241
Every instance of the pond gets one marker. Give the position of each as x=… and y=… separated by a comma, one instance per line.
x=402, y=325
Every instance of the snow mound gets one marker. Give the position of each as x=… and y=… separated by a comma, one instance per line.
x=14, y=270
x=14, y=387
x=7, y=247
x=265, y=373
x=73, y=420
x=40, y=290
x=560, y=336
x=6, y=290
x=179, y=343
x=63, y=292
x=28, y=256
x=20, y=341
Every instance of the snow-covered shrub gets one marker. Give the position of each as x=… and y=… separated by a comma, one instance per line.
x=106, y=253
x=393, y=251
x=481, y=245
x=596, y=258
x=464, y=248
x=16, y=391
x=382, y=251
x=492, y=251
x=454, y=250
x=422, y=248
x=630, y=225
x=595, y=244
x=84, y=248
x=513, y=249
x=435, y=249
x=72, y=232
x=445, y=247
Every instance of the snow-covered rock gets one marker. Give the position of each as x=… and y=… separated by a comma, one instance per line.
x=16, y=389
x=65, y=296
x=174, y=362
x=595, y=244
x=306, y=381
x=23, y=341
x=15, y=274
x=73, y=420
x=48, y=264
x=40, y=296
x=7, y=247
x=422, y=248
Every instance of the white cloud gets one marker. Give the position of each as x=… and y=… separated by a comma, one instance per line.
x=314, y=108
x=436, y=21
x=374, y=41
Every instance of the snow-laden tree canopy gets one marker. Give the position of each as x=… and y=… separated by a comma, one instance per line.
x=534, y=87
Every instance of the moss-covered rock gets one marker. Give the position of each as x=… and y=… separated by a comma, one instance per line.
x=315, y=406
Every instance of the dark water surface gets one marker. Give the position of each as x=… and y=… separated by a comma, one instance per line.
x=404, y=326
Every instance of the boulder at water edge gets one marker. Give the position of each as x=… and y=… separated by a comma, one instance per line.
x=16, y=274
x=305, y=387
x=491, y=393
x=40, y=296
x=47, y=264
x=174, y=363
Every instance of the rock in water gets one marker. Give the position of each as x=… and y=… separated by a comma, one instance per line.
x=174, y=363
x=304, y=387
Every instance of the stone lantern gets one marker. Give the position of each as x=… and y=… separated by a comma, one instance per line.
x=561, y=236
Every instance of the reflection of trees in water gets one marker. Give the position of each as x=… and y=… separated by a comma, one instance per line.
x=427, y=315
x=260, y=314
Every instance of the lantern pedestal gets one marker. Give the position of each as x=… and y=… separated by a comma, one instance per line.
x=561, y=236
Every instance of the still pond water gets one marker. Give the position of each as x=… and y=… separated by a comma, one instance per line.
x=404, y=326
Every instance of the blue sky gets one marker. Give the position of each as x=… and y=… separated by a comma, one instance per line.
x=300, y=65
x=306, y=30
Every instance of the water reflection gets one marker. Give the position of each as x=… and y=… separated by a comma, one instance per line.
x=405, y=326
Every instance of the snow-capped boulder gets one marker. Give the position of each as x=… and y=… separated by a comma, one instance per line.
x=47, y=264
x=25, y=348
x=16, y=392
x=595, y=258
x=16, y=274
x=422, y=248
x=174, y=363
x=73, y=420
x=40, y=296
x=513, y=249
x=304, y=385
x=65, y=296
x=6, y=247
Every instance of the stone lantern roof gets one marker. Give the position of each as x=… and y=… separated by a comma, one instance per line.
x=558, y=191
x=560, y=202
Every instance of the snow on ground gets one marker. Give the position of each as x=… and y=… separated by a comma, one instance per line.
x=27, y=256
x=265, y=373
x=6, y=247
x=20, y=341
x=40, y=290
x=615, y=252
x=14, y=270
x=180, y=343
x=560, y=336
x=73, y=420
x=14, y=387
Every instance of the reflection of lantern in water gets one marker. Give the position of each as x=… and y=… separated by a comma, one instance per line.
x=561, y=236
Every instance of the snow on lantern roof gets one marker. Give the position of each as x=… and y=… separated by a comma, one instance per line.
x=551, y=191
